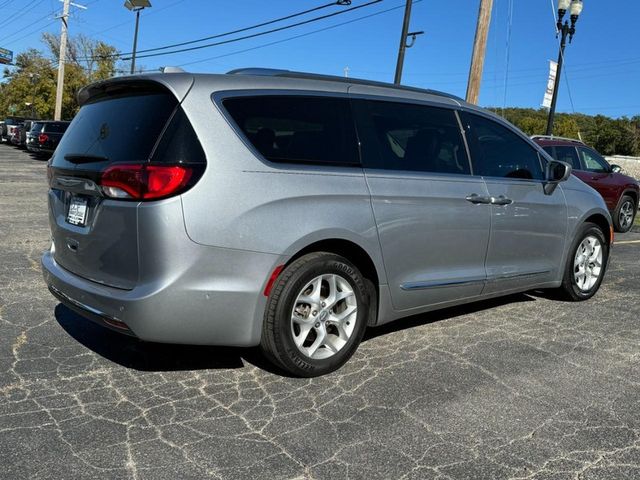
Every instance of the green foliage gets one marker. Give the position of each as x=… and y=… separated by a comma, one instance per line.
x=609, y=136
x=30, y=88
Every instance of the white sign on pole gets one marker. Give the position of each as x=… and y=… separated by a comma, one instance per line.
x=551, y=84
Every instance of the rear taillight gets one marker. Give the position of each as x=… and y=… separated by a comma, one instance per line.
x=43, y=138
x=143, y=181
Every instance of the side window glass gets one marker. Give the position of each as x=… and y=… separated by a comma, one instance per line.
x=496, y=151
x=298, y=129
x=550, y=151
x=408, y=137
x=568, y=155
x=593, y=162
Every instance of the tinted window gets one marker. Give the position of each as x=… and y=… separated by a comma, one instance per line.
x=179, y=142
x=120, y=129
x=592, y=161
x=497, y=151
x=36, y=127
x=402, y=136
x=55, y=127
x=297, y=129
x=568, y=155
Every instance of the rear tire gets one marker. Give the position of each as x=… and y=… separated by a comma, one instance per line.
x=316, y=315
x=625, y=214
x=586, y=264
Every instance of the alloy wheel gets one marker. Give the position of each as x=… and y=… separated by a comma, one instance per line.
x=324, y=316
x=587, y=264
x=626, y=215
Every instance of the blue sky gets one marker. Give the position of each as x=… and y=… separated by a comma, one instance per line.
x=603, y=63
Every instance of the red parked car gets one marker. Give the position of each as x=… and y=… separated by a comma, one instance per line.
x=620, y=192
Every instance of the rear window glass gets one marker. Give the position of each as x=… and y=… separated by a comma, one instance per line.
x=36, y=127
x=297, y=129
x=118, y=129
x=55, y=127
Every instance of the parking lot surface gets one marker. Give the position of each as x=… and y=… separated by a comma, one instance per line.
x=520, y=387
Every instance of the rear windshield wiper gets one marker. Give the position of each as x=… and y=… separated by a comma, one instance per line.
x=84, y=158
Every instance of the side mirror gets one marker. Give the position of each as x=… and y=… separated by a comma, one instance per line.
x=556, y=172
x=616, y=168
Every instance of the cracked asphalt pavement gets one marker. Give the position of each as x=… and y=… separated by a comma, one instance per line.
x=524, y=387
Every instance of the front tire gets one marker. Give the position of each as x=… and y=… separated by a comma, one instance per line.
x=586, y=263
x=316, y=315
x=625, y=214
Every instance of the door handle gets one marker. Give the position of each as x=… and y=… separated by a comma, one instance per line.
x=475, y=198
x=501, y=200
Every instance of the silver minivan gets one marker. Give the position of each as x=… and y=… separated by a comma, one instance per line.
x=293, y=211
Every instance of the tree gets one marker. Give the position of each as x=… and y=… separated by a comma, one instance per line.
x=96, y=58
x=32, y=82
x=29, y=89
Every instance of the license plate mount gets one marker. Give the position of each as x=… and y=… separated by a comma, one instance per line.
x=77, y=214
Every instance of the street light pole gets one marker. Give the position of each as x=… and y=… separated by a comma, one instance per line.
x=135, y=42
x=565, y=30
x=136, y=6
x=403, y=41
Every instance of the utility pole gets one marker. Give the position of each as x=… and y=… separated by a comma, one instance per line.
x=62, y=57
x=403, y=42
x=479, y=49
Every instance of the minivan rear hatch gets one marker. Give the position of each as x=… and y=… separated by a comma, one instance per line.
x=124, y=126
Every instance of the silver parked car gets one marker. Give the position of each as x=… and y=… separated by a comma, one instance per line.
x=292, y=211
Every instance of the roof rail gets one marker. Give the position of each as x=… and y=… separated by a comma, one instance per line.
x=273, y=72
x=554, y=137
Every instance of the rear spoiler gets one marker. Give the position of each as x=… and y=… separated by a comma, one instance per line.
x=177, y=83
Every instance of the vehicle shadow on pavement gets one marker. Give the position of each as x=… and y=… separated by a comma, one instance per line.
x=445, y=314
x=158, y=357
x=152, y=357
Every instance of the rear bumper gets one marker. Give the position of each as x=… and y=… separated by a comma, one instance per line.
x=214, y=299
x=90, y=313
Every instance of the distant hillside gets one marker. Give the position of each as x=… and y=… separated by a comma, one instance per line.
x=607, y=135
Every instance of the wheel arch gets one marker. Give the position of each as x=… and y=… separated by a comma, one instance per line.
x=355, y=254
x=604, y=223
x=631, y=193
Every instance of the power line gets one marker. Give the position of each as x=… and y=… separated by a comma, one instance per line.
x=259, y=34
x=21, y=12
x=507, y=52
x=240, y=30
x=219, y=35
x=21, y=30
x=295, y=37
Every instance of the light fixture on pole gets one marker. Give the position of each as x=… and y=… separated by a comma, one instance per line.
x=136, y=6
x=565, y=29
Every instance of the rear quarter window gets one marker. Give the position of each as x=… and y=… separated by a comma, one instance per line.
x=297, y=129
